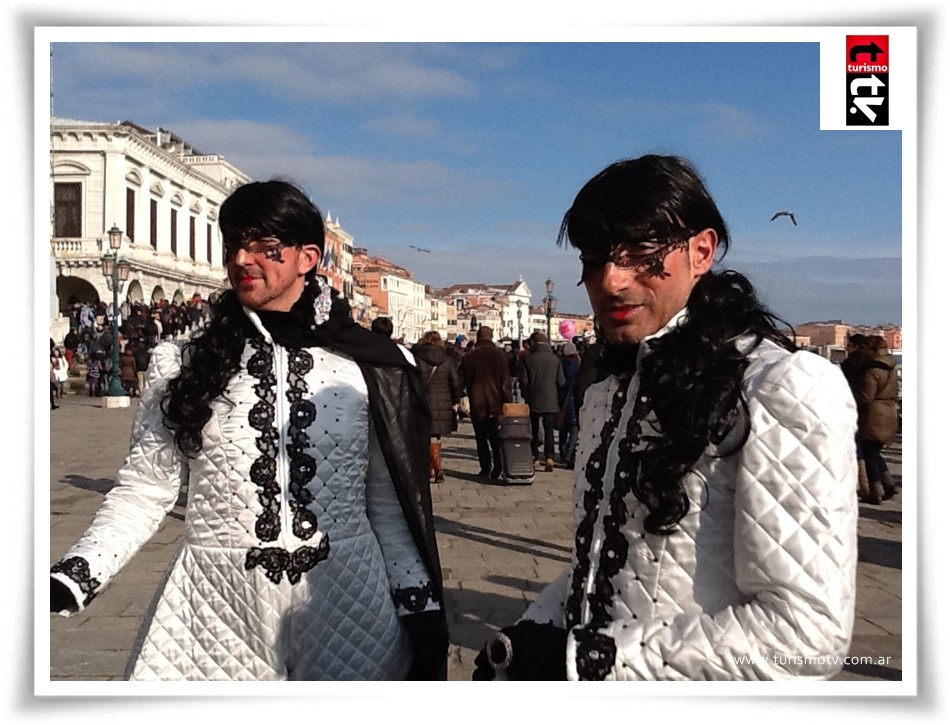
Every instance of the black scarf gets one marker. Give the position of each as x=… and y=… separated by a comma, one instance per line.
x=295, y=329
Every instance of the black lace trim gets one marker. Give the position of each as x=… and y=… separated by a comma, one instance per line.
x=596, y=651
x=600, y=653
x=594, y=474
x=303, y=466
x=262, y=417
x=77, y=569
x=613, y=554
x=275, y=561
x=414, y=599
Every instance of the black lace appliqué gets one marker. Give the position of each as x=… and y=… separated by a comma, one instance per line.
x=594, y=474
x=262, y=418
x=302, y=466
x=275, y=561
x=613, y=554
x=596, y=653
x=414, y=599
x=77, y=569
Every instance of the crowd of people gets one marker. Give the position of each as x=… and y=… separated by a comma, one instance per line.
x=475, y=378
x=88, y=345
x=714, y=463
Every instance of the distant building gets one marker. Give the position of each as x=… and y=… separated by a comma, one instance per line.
x=834, y=333
x=394, y=293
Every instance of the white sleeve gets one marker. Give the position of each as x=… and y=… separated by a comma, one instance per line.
x=409, y=580
x=795, y=544
x=146, y=488
x=548, y=608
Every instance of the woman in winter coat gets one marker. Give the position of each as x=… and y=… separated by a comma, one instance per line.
x=443, y=392
x=127, y=371
x=876, y=394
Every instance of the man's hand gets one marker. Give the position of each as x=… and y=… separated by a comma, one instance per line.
x=430, y=645
x=60, y=598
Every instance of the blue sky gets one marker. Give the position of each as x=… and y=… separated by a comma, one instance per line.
x=473, y=151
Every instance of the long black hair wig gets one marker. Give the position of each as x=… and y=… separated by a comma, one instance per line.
x=212, y=355
x=693, y=374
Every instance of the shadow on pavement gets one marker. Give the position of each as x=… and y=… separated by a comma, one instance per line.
x=500, y=539
x=98, y=485
x=882, y=552
x=463, y=453
x=494, y=611
x=874, y=513
x=878, y=672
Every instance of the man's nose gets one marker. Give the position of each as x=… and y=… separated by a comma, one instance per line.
x=613, y=279
x=241, y=256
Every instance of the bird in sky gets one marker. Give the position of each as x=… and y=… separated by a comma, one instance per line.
x=789, y=214
x=412, y=246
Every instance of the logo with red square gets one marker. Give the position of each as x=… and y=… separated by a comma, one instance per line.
x=867, y=79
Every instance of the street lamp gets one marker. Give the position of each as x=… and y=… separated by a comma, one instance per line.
x=549, y=303
x=116, y=272
x=520, y=302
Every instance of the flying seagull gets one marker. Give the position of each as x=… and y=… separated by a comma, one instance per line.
x=789, y=214
x=411, y=246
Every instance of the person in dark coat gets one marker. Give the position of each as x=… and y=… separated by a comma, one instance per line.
x=443, y=392
x=877, y=392
x=127, y=373
x=541, y=376
x=851, y=368
x=488, y=384
x=568, y=422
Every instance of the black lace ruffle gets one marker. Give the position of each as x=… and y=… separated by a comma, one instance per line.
x=77, y=569
x=414, y=599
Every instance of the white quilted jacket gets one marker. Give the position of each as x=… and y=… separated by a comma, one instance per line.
x=295, y=555
x=758, y=582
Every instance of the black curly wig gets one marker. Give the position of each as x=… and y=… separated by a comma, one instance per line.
x=212, y=355
x=692, y=375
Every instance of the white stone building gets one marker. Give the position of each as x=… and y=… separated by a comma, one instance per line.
x=163, y=194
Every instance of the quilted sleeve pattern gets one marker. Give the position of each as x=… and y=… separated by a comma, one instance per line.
x=795, y=546
x=146, y=488
x=410, y=583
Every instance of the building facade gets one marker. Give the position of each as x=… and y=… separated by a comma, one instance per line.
x=394, y=293
x=160, y=192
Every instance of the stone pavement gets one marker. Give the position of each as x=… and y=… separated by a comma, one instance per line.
x=499, y=546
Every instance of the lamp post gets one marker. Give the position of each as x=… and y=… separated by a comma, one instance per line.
x=116, y=272
x=520, y=303
x=549, y=303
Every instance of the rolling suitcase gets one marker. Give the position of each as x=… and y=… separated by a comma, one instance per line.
x=514, y=433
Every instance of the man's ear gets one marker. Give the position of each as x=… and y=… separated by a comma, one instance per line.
x=702, y=251
x=309, y=258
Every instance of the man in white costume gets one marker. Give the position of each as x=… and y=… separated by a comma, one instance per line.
x=714, y=507
x=308, y=550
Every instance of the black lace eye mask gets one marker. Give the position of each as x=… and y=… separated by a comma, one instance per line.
x=256, y=242
x=643, y=258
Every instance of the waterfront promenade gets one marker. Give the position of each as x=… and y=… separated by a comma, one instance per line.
x=499, y=546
